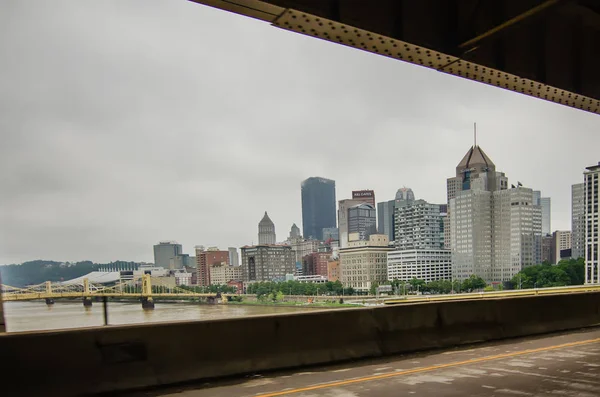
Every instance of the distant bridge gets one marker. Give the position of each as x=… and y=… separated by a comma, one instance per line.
x=85, y=289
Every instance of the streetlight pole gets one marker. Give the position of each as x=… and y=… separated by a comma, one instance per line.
x=520, y=284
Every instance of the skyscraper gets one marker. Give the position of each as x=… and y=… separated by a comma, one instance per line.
x=205, y=259
x=318, y=206
x=561, y=245
x=385, y=218
x=545, y=203
x=385, y=212
x=234, y=259
x=494, y=231
x=367, y=196
x=405, y=193
x=363, y=262
x=266, y=231
x=362, y=220
x=577, y=221
x=419, y=243
x=164, y=251
x=267, y=262
x=592, y=218
x=331, y=233
x=294, y=232
x=418, y=225
x=343, y=206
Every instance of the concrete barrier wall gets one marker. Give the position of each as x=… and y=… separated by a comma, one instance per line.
x=65, y=363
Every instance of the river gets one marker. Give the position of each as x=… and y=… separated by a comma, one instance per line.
x=36, y=315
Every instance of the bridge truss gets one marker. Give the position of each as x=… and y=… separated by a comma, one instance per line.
x=87, y=289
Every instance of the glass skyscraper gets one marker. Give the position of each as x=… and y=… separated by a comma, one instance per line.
x=318, y=206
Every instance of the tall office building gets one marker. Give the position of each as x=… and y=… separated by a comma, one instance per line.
x=221, y=274
x=561, y=245
x=547, y=250
x=475, y=170
x=295, y=232
x=385, y=218
x=592, y=244
x=364, y=262
x=267, y=262
x=164, y=251
x=386, y=209
x=405, y=194
x=367, y=196
x=546, y=204
x=419, y=245
x=418, y=225
x=343, y=207
x=318, y=206
x=205, y=259
x=577, y=221
x=494, y=231
x=266, y=231
x=362, y=220
x=234, y=259
x=331, y=233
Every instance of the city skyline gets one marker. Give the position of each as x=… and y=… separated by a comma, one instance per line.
x=85, y=164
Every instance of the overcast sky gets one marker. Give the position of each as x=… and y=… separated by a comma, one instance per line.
x=126, y=122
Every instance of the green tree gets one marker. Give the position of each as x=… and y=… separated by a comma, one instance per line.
x=473, y=283
x=566, y=272
x=417, y=284
x=373, y=289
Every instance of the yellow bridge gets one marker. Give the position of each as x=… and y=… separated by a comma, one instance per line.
x=87, y=290
x=574, y=289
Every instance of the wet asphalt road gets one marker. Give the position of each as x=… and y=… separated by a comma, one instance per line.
x=556, y=365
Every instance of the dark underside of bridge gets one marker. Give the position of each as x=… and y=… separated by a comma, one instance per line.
x=548, y=49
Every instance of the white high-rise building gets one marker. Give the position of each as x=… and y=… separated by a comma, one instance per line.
x=418, y=225
x=428, y=265
x=577, y=221
x=592, y=244
x=419, y=243
x=494, y=231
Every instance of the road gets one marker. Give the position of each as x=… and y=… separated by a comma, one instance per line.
x=556, y=365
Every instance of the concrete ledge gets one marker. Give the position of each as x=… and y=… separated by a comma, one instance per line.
x=74, y=362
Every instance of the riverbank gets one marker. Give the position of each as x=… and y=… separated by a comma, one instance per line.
x=293, y=304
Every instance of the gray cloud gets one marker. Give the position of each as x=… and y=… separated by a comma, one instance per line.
x=127, y=122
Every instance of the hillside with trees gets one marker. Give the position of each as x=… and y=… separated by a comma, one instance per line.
x=39, y=271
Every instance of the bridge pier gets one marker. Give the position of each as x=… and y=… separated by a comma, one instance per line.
x=87, y=302
x=49, y=301
x=147, y=302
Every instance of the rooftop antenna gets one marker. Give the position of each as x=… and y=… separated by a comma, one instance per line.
x=475, y=134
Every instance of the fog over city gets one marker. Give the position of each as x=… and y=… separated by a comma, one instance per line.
x=125, y=123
